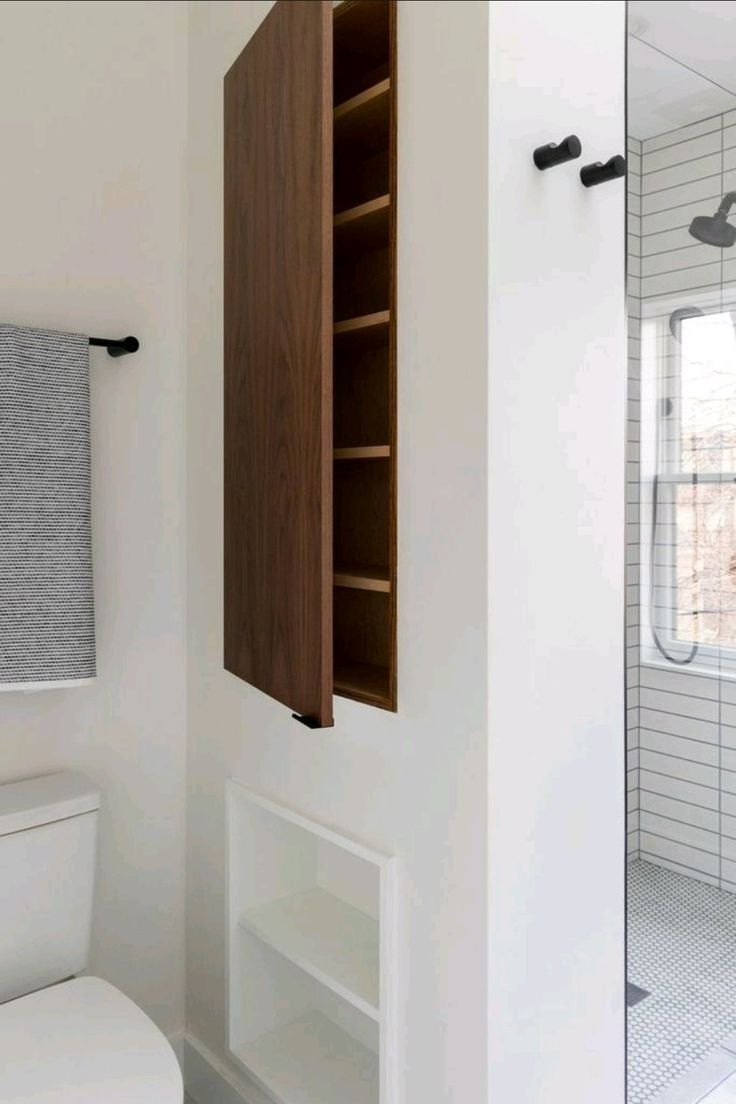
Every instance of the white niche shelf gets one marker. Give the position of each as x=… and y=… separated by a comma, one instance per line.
x=328, y=938
x=310, y=957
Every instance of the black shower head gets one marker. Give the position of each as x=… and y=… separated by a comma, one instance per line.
x=713, y=230
x=716, y=229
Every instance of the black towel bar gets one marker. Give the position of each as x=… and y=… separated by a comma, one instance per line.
x=117, y=348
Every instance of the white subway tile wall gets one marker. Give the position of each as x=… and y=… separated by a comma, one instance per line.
x=681, y=724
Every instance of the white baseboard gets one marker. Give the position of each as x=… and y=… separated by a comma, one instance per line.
x=177, y=1045
x=208, y=1080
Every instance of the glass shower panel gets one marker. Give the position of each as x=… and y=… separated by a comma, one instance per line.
x=681, y=542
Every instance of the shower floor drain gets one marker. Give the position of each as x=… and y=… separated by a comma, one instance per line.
x=634, y=994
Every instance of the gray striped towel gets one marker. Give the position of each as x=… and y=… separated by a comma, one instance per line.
x=47, y=631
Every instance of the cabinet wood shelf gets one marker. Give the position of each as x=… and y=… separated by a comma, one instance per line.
x=327, y=938
x=363, y=577
x=380, y=319
x=357, y=108
x=363, y=452
x=364, y=682
x=363, y=122
x=366, y=224
x=353, y=214
x=312, y=1061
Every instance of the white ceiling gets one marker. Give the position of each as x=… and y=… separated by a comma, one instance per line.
x=682, y=63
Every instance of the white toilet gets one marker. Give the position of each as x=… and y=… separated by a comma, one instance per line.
x=64, y=1040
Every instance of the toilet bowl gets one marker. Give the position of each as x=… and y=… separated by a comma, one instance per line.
x=84, y=1042
x=64, y=1039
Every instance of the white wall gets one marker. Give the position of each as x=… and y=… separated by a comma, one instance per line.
x=91, y=222
x=413, y=784
x=93, y=238
x=557, y=403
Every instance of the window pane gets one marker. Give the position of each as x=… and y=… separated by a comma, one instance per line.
x=708, y=393
x=705, y=563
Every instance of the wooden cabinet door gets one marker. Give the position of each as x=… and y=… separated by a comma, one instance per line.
x=278, y=359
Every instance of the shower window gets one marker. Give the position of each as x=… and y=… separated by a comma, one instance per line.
x=694, y=481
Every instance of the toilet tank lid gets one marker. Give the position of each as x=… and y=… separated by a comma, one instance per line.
x=43, y=800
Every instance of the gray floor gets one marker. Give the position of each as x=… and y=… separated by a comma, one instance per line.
x=682, y=948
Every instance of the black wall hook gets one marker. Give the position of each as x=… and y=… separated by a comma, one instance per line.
x=599, y=173
x=545, y=157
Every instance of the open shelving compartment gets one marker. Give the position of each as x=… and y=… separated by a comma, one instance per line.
x=310, y=358
x=311, y=975
x=364, y=352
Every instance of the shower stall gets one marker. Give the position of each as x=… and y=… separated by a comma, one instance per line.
x=681, y=554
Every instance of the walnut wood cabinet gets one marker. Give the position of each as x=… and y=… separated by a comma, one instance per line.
x=310, y=356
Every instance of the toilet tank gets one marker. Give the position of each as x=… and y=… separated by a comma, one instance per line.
x=48, y=841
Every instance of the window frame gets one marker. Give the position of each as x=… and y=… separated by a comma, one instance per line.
x=660, y=348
